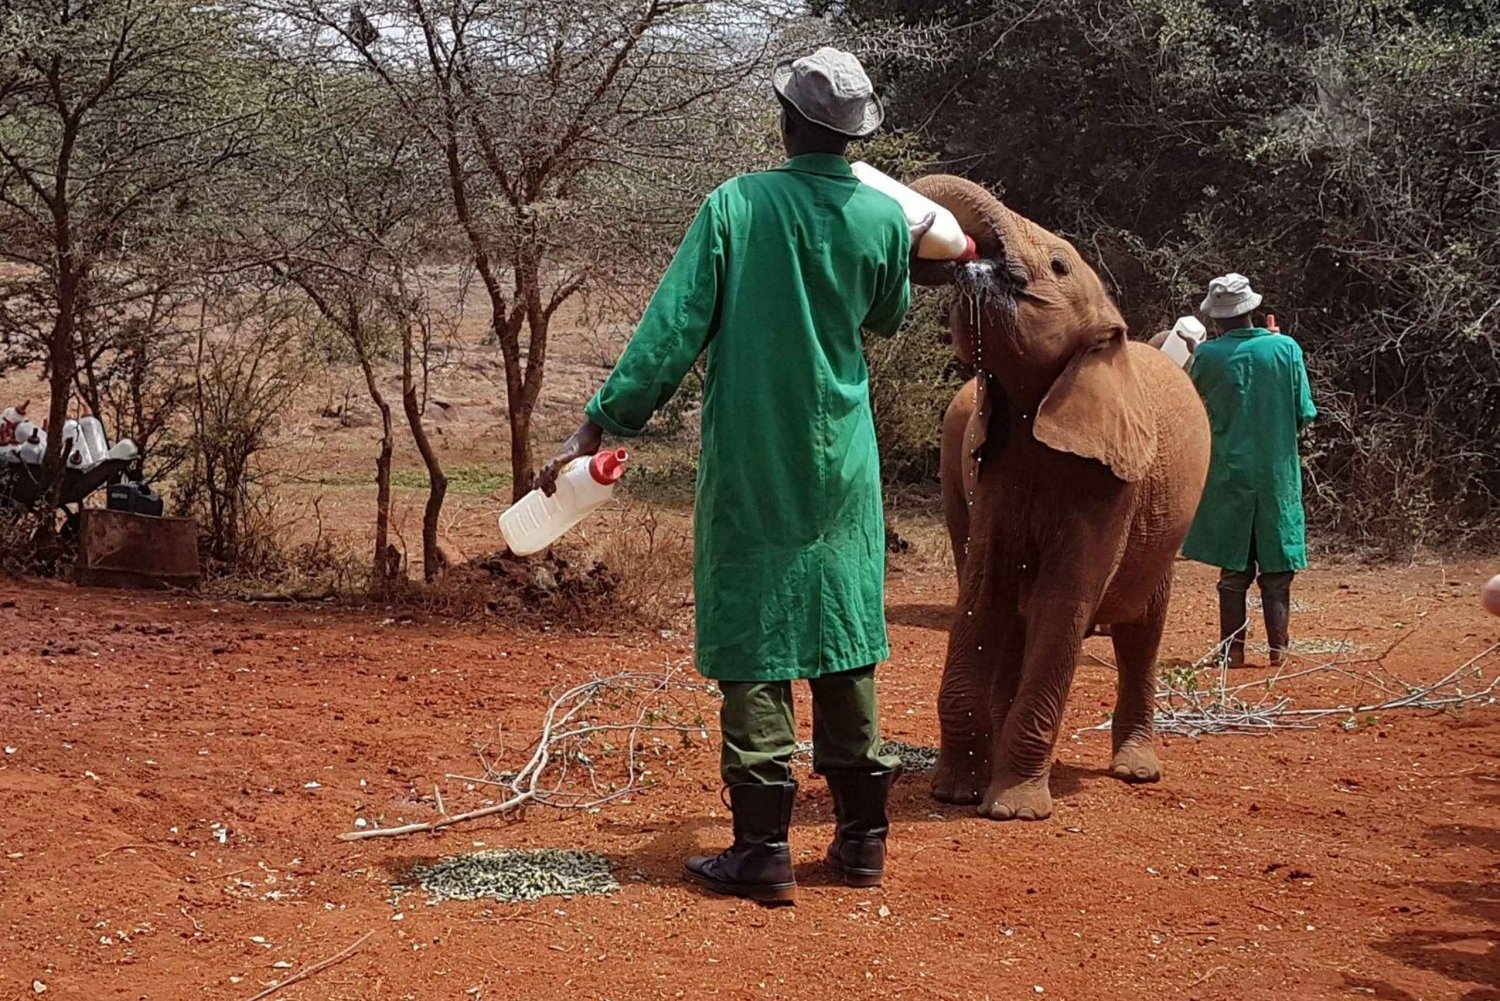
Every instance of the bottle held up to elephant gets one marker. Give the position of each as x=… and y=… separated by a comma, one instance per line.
x=946, y=240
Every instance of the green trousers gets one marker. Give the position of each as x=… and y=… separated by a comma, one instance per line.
x=760, y=736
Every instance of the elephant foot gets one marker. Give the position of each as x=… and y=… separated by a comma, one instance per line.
x=1017, y=799
x=1136, y=763
x=958, y=778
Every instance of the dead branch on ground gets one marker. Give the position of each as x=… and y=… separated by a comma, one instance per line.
x=315, y=968
x=596, y=742
x=1190, y=708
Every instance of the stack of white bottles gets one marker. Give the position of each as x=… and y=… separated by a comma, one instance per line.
x=84, y=443
x=536, y=521
x=20, y=439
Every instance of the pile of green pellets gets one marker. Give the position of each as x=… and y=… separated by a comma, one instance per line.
x=914, y=757
x=512, y=876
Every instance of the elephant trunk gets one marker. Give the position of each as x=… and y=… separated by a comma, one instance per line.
x=977, y=210
x=983, y=285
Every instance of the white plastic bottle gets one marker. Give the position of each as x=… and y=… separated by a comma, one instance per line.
x=536, y=521
x=24, y=430
x=1185, y=336
x=10, y=419
x=91, y=433
x=946, y=240
x=34, y=450
x=123, y=450
x=70, y=443
x=77, y=446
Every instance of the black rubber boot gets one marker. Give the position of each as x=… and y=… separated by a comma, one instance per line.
x=759, y=863
x=858, y=850
x=1232, y=624
x=1277, y=603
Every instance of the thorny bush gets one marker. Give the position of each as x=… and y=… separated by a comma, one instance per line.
x=1343, y=154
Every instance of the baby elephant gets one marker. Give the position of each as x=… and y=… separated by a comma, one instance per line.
x=1072, y=467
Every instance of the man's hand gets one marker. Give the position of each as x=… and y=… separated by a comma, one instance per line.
x=585, y=441
x=920, y=230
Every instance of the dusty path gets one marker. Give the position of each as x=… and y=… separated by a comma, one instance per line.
x=1300, y=865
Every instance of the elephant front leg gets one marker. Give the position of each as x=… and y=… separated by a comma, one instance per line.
x=963, y=766
x=966, y=698
x=1023, y=747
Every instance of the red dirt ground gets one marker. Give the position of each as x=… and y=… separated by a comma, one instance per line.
x=1299, y=865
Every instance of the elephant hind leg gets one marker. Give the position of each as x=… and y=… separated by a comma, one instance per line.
x=1136, y=646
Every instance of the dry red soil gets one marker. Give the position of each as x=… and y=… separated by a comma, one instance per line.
x=1304, y=864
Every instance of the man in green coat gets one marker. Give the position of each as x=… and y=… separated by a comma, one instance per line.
x=1250, y=520
x=775, y=279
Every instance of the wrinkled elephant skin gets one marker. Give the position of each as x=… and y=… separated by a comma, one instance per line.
x=1072, y=466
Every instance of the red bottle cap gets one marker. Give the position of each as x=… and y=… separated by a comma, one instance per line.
x=607, y=467
x=971, y=250
x=1271, y=322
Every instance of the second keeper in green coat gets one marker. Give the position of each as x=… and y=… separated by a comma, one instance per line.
x=1250, y=522
x=775, y=279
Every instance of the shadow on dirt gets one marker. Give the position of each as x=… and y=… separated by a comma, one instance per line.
x=1070, y=779
x=1466, y=951
x=660, y=859
x=911, y=800
x=935, y=617
x=1461, y=942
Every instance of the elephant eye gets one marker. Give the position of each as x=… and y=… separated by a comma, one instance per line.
x=1059, y=267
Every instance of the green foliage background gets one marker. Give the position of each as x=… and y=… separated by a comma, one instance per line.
x=1344, y=155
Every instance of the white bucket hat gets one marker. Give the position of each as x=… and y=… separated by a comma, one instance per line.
x=830, y=88
x=1230, y=296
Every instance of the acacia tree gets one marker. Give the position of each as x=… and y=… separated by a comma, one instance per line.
x=249, y=362
x=114, y=116
x=571, y=134
x=346, y=229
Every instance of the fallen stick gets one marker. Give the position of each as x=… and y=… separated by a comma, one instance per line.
x=1207, y=977
x=124, y=848
x=287, y=597
x=441, y=822
x=315, y=968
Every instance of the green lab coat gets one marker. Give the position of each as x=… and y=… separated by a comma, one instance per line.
x=1255, y=387
x=775, y=278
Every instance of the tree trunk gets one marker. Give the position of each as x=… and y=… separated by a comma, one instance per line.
x=521, y=470
x=437, y=483
x=383, y=569
x=524, y=388
x=61, y=361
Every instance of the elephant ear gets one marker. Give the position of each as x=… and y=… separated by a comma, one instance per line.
x=1098, y=409
x=981, y=429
